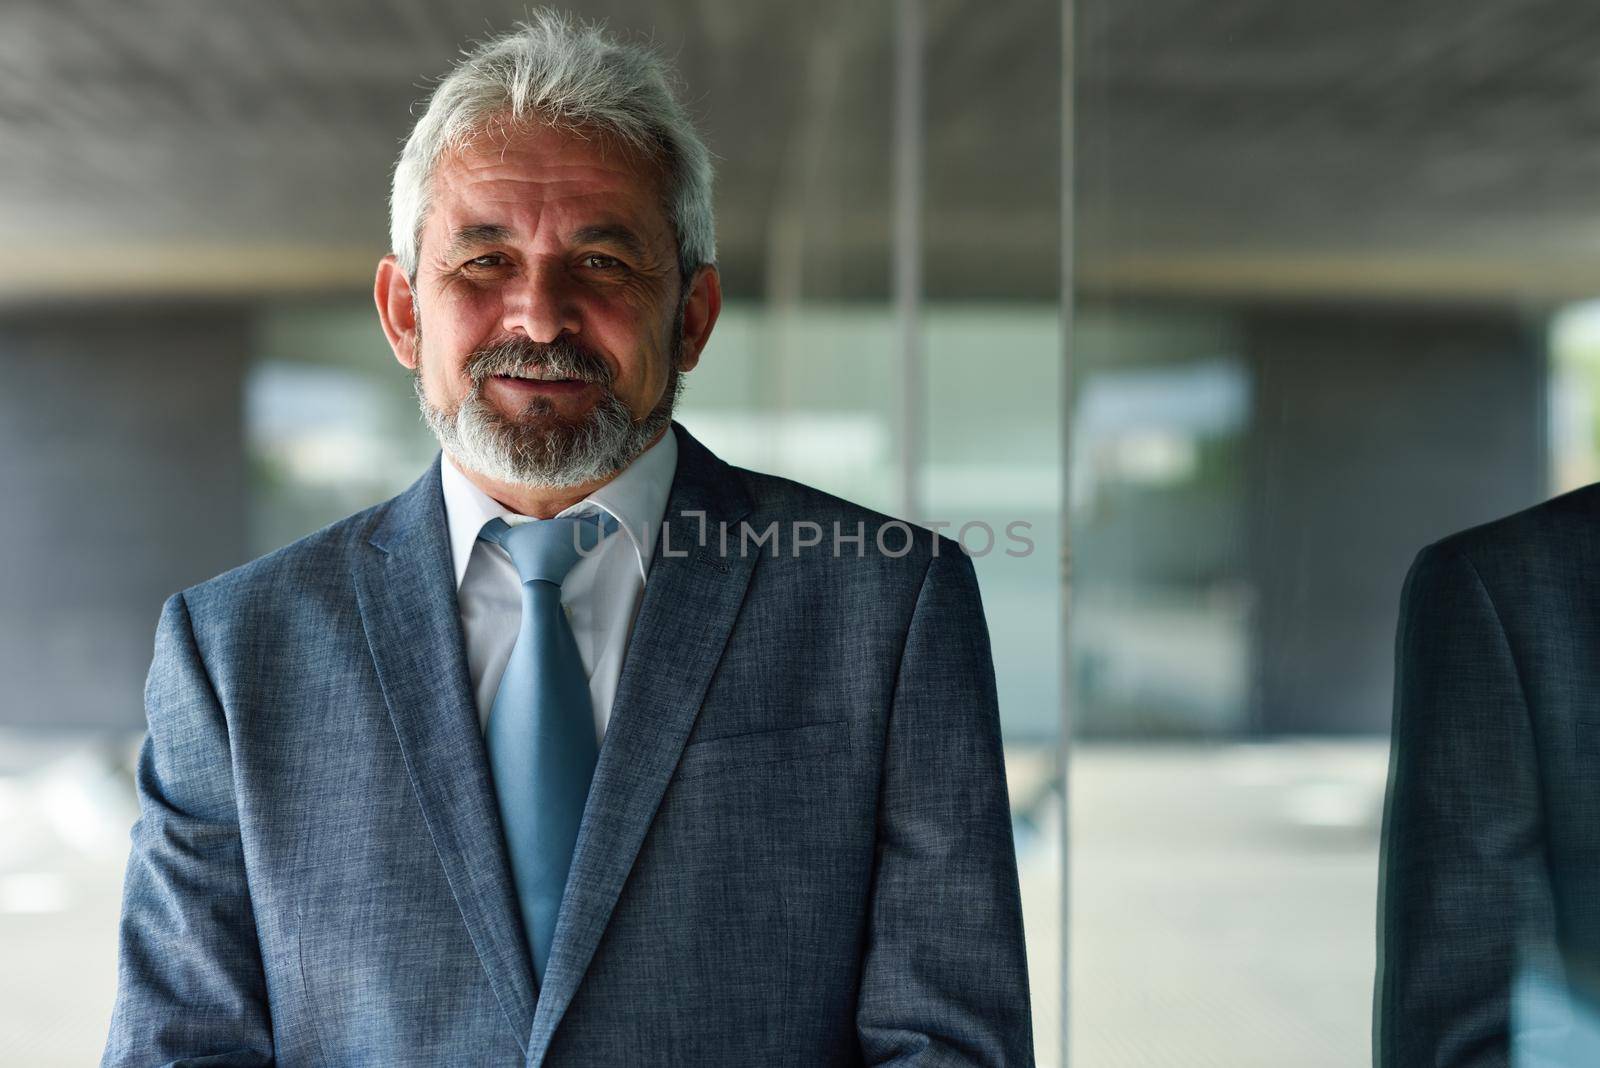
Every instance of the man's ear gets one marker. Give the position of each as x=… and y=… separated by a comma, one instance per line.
x=397, y=310
x=700, y=313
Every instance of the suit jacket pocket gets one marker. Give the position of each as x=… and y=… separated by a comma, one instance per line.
x=1588, y=734
x=763, y=747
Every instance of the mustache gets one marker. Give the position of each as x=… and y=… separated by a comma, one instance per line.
x=565, y=357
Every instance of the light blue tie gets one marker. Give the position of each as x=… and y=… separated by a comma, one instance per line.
x=541, y=733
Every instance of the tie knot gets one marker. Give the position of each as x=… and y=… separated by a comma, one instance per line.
x=544, y=550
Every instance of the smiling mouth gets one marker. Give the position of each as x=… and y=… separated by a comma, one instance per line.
x=536, y=376
x=538, y=382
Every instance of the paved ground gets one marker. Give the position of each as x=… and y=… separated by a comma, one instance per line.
x=65, y=810
x=1223, y=905
x=1222, y=901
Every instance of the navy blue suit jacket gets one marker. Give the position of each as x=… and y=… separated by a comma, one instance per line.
x=797, y=848
x=1489, y=931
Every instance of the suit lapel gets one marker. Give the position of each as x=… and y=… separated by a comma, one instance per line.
x=691, y=599
x=406, y=589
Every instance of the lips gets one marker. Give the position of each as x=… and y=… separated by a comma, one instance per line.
x=525, y=386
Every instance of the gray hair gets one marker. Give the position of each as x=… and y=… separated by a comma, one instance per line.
x=571, y=76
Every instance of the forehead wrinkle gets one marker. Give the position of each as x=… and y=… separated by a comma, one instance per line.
x=578, y=216
x=492, y=194
x=600, y=192
x=519, y=159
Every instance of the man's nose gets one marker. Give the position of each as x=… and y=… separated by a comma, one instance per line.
x=541, y=303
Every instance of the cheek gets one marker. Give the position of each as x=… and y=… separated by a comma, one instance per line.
x=443, y=368
x=452, y=330
x=644, y=370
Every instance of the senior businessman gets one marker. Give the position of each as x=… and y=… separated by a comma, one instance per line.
x=583, y=750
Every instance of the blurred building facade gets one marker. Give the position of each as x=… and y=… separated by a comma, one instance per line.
x=193, y=206
x=1324, y=298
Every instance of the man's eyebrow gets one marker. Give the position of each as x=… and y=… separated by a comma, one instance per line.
x=474, y=236
x=611, y=234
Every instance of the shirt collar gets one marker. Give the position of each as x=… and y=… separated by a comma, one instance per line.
x=636, y=498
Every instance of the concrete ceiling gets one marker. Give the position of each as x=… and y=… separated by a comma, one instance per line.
x=1362, y=147
x=1237, y=147
x=245, y=147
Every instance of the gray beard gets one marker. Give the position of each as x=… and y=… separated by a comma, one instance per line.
x=538, y=449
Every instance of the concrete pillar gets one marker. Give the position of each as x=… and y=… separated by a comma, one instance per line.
x=123, y=480
x=1376, y=430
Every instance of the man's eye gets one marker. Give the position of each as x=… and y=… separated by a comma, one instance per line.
x=490, y=259
x=601, y=262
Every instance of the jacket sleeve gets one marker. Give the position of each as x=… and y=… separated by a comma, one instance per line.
x=190, y=983
x=1464, y=890
x=945, y=976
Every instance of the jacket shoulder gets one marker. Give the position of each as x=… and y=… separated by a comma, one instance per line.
x=776, y=495
x=1550, y=549
x=787, y=502
x=292, y=571
x=1551, y=526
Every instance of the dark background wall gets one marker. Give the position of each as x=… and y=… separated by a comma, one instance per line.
x=122, y=432
x=1375, y=431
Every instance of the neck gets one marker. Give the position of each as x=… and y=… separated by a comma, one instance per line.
x=537, y=501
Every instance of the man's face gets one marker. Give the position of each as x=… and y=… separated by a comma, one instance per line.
x=556, y=315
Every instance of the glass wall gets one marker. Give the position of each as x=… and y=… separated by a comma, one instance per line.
x=1333, y=298
x=1332, y=264
x=204, y=365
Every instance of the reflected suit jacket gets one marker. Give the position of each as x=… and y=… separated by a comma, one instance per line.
x=796, y=850
x=1489, y=932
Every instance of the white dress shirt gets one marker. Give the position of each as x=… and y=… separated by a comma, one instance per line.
x=601, y=593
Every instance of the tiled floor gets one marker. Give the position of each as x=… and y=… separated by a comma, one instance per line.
x=1222, y=901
